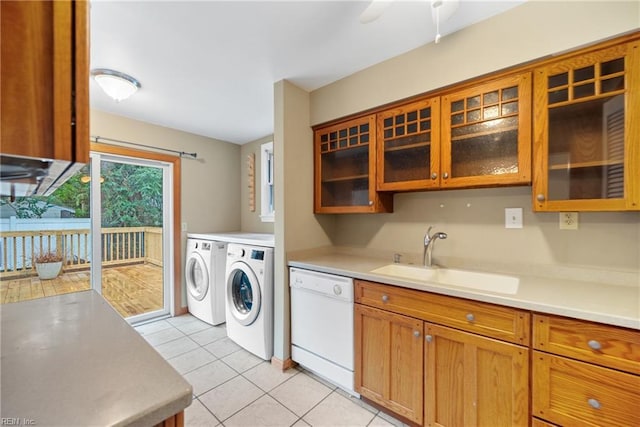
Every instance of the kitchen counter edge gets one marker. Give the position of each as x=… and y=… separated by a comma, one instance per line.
x=608, y=304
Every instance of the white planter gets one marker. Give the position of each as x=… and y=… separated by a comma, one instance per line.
x=48, y=270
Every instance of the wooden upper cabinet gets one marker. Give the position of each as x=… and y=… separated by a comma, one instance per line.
x=345, y=169
x=486, y=134
x=409, y=146
x=587, y=131
x=45, y=79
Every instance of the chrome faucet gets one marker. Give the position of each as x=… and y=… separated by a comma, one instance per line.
x=429, y=241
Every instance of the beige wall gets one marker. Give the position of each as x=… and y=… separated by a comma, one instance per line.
x=474, y=219
x=250, y=221
x=210, y=184
x=296, y=227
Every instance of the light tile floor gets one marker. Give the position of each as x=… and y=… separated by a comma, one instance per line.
x=232, y=387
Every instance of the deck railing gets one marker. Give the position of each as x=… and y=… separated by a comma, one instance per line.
x=120, y=245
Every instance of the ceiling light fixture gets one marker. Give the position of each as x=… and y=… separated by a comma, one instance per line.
x=115, y=84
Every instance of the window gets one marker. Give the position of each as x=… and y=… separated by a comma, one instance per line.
x=266, y=199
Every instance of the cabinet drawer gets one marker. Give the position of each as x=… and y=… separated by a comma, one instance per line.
x=604, y=345
x=490, y=320
x=568, y=392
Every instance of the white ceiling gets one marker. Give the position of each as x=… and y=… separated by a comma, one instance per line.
x=208, y=67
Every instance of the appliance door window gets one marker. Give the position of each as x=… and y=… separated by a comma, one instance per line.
x=197, y=276
x=243, y=293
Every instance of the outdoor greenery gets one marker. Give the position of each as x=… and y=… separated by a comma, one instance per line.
x=131, y=196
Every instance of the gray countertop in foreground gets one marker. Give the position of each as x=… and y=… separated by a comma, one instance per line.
x=71, y=360
x=613, y=305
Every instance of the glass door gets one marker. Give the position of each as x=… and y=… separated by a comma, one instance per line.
x=133, y=216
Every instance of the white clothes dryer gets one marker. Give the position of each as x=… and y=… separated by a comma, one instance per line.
x=249, y=298
x=204, y=273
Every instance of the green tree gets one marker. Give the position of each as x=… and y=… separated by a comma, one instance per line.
x=27, y=207
x=74, y=194
x=131, y=195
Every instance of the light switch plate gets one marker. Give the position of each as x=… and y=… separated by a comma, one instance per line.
x=184, y=226
x=513, y=218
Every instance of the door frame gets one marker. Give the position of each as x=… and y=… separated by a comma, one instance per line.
x=177, y=308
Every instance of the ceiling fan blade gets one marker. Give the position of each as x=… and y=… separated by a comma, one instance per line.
x=374, y=10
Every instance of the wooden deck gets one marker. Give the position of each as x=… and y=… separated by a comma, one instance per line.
x=132, y=289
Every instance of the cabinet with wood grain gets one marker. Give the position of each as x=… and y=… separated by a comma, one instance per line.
x=587, y=131
x=45, y=79
x=408, y=347
x=585, y=373
x=345, y=169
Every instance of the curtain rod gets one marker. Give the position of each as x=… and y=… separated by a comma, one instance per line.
x=180, y=153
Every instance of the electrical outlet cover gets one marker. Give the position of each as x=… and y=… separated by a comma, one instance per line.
x=568, y=220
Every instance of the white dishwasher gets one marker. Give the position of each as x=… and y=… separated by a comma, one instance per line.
x=322, y=325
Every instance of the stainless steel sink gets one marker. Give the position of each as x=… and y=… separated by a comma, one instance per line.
x=467, y=279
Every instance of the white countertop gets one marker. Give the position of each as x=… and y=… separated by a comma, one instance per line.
x=71, y=360
x=241, y=237
x=613, y=305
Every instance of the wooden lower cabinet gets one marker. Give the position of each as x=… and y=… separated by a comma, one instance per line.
x=573, y=393
x=457, y=378
x=389, y=360
x=176, y=420
x=472, y=380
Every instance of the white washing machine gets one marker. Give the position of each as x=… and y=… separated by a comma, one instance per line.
x=249, y=298
x=204, y=273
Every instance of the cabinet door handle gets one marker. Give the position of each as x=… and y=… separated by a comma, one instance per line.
x=595, y=345
x=434, y=175
x=385, y=298
x=416, y=334
x=428, y=338
x=470, y=317
x=594, y=403
x=370, y=202
x=445, y=175
x=540, y=197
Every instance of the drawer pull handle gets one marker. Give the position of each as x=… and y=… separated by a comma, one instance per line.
x=385, y=298
x=429, y=338
x=595, y=345
x=594, y=403
x=471, y=317
x=416, y=334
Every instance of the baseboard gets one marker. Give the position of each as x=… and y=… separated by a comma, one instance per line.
x=180, y=311
x=283, y=365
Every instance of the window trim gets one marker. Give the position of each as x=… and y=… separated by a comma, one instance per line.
x=267, y=202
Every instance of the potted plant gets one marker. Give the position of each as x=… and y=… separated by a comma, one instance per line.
x=48, y=265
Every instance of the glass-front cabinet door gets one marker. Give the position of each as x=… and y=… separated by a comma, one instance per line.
x=408, y=146
x=587, y=131
x=345, y=169
x=486, y=134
